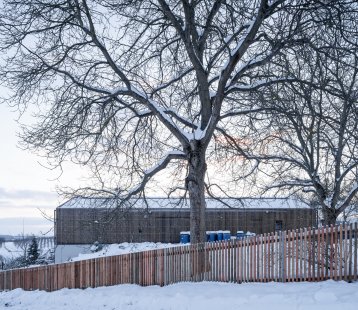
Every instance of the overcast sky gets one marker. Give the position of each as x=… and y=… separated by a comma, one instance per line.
x=26, y=187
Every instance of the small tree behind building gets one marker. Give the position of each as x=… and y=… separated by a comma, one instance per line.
x=33, y=251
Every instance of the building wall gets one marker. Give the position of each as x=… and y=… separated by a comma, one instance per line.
x=85, y=226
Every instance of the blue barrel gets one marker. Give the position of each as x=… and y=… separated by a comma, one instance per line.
x=240, y=234
x=220, y=235
x=211, y=236
x=226, y=235
x=185, y=237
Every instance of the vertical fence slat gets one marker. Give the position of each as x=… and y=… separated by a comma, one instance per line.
x=325, y=236
x=346, y=258
x=314, y=254
x=309, y=254
x=326, y=253
x=284, y=256
x=247, y=260
x=355, y=251
x=331, y=251
x=318, y=254
x=341, y=241
x=336, y=253
x=263, y=258
x=292, y=256
x=238, y=262
x=350, y=255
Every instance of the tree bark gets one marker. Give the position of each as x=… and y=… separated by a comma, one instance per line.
x=196, y=188
x=329, y=216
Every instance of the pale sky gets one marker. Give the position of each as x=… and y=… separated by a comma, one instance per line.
x=25, y=185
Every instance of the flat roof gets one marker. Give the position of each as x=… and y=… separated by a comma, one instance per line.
x=177, y=203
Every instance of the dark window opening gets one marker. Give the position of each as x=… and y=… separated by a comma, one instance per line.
x=278, y=225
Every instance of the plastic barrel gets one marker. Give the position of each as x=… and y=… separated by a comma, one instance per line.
x=240, y=234
x=184, y=237
x=226, y=235
x=211, y=236
x=220, y=235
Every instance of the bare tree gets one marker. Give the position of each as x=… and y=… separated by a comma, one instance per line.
x=130, y=88
x=309, y=136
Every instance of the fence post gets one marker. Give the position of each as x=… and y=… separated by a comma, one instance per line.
x=283, y=256
x=350, y=252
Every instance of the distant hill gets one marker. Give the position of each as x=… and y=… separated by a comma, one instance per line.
x=6, y=237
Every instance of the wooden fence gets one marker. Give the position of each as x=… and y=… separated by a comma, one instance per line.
x=301, y=255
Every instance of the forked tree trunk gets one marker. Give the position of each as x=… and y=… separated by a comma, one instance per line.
x=196, y=188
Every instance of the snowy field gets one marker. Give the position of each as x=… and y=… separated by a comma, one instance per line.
x=207, y=295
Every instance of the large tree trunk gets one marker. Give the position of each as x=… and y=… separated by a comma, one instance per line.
x=329, y=216
x=196, y=188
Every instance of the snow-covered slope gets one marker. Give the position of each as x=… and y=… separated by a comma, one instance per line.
x=123, y=248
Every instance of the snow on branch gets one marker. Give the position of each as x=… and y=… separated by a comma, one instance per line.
x=242, y=45
x=257, y=85
x=179, y=133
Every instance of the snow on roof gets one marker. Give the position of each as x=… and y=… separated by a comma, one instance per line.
x=177, y=203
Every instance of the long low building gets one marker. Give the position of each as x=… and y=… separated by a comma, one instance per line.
x=83, y=221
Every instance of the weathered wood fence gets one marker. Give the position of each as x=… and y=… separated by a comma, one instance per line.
x=301, y=255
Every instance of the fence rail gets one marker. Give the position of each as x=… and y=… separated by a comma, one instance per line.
x=300, y=255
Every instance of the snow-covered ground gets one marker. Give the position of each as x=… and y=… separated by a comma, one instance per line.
x=207, y=295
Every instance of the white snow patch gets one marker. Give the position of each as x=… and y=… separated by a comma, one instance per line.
x=180, y=153
x=325, y=296
x=205, y=295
